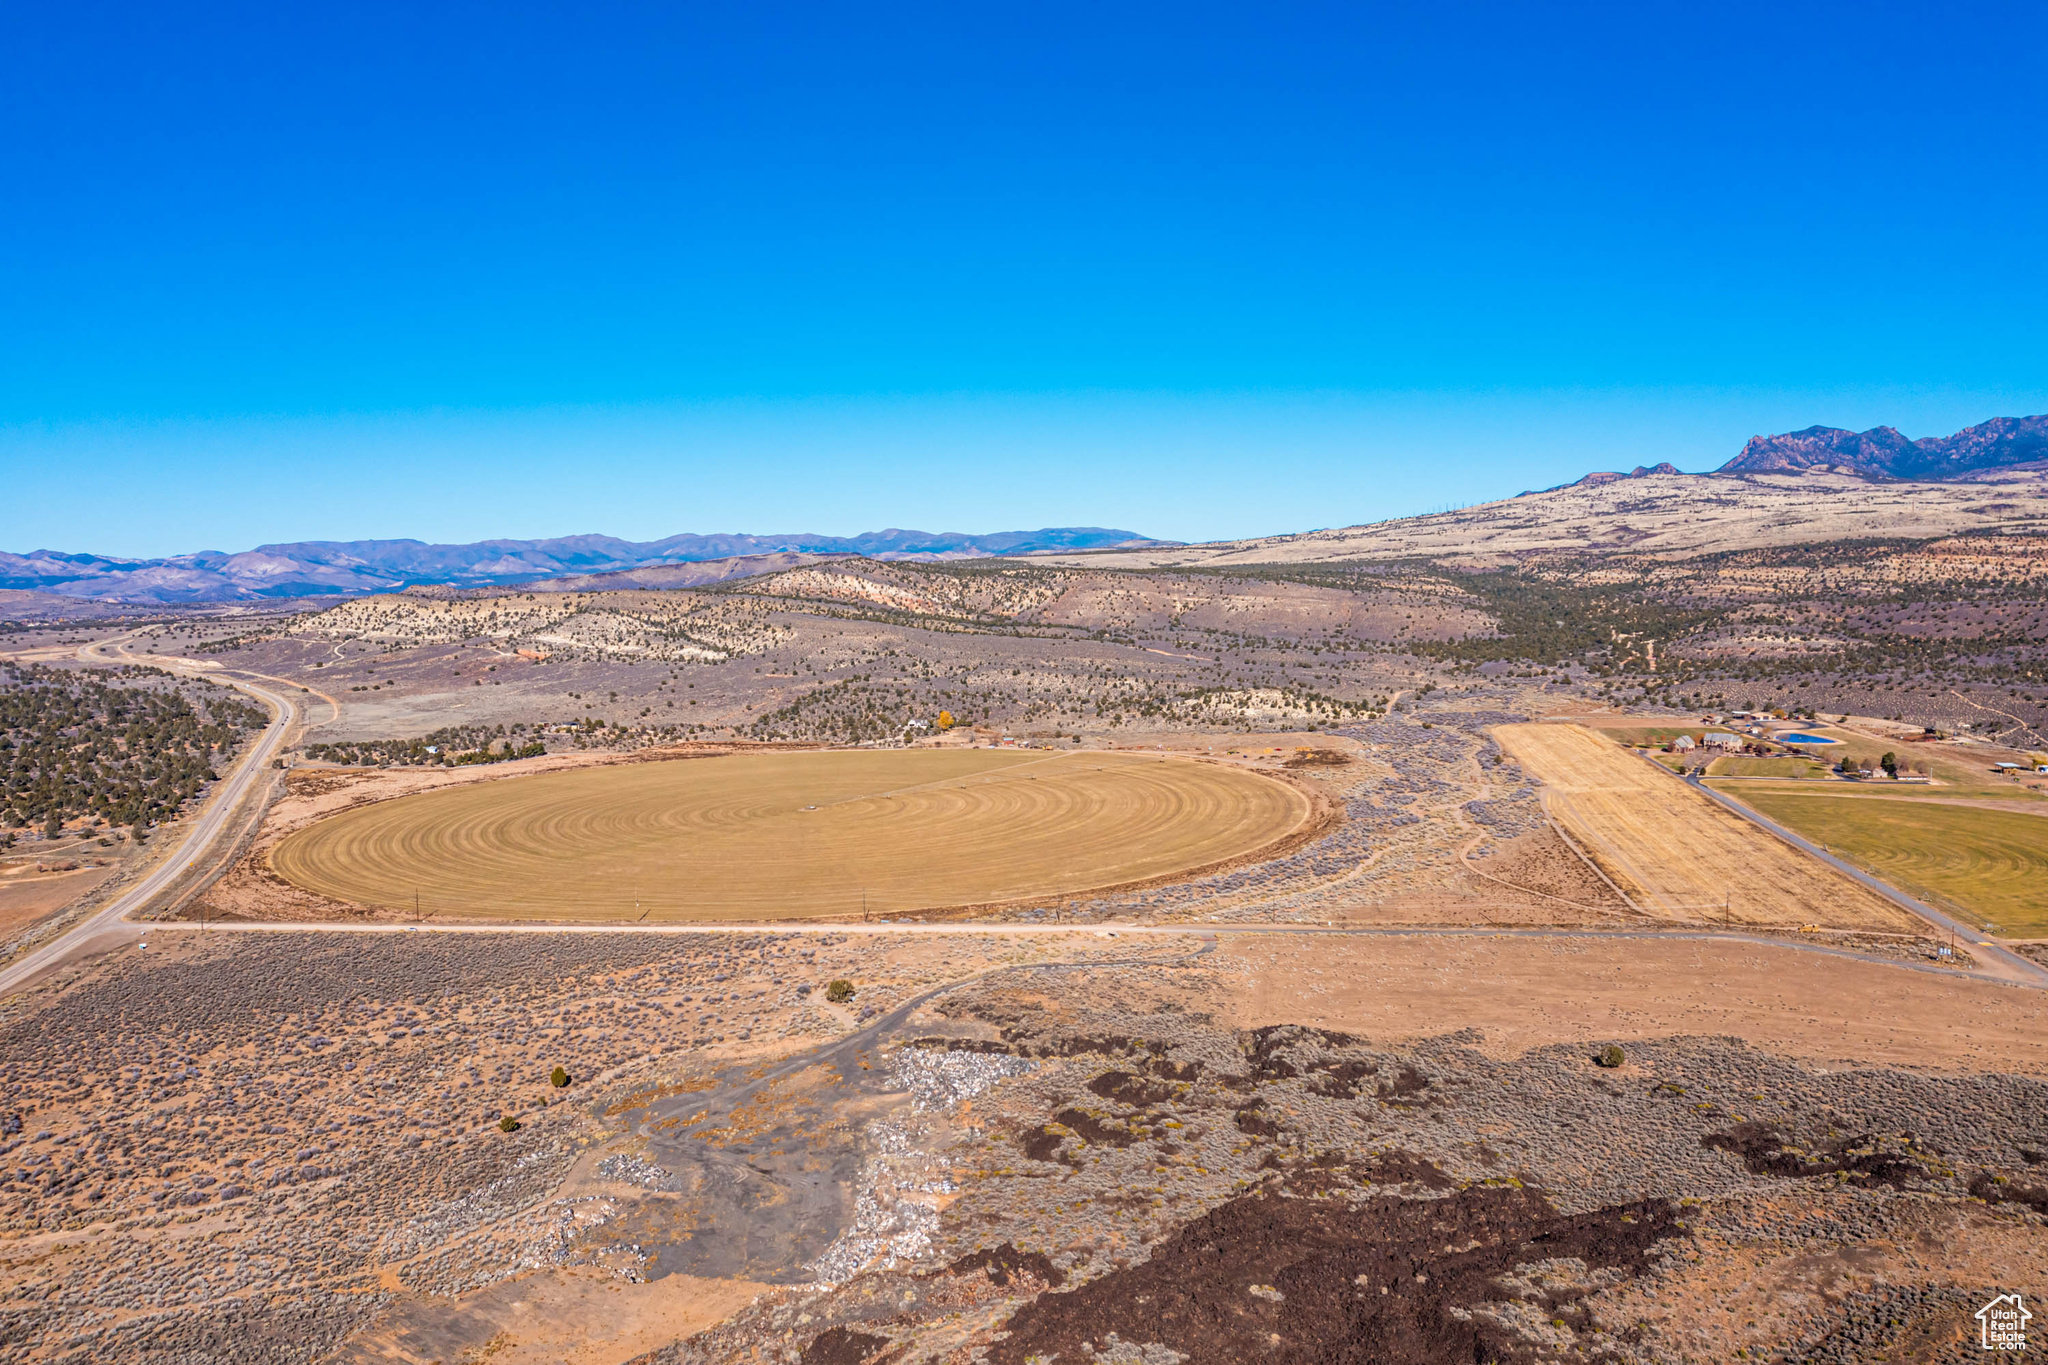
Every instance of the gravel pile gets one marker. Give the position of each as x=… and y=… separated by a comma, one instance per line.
x=1435, y=767
x=633, y=1170
x=938, y=1079
x=891, y=1224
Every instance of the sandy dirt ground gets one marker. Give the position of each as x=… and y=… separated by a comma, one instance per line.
x=262, y=1147
x=1675, y=851
x=1154, y=1180
x=1525, y=992
x=554, y=1317
x=1533, y=879
x=28, y=895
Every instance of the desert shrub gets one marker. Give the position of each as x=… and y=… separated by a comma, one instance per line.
x=1609, y=1056
x=839, y=992
x=558, y=1078
x=508, y=1124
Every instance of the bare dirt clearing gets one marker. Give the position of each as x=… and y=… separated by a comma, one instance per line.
x=27, y=896
x=1526, y=992
x=793, y=834
x=1679, y=855
x=259, y=1149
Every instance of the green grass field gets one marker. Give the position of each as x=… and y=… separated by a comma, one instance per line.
x=1767, y=767
x=1654, y=734
x=1964, y=771
x=1991, y=863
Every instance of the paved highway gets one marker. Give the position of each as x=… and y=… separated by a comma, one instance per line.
x=212, y=822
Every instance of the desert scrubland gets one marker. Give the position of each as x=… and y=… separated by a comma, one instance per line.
x=1267, y=950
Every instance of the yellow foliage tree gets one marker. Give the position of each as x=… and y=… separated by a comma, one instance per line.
x=945, y=720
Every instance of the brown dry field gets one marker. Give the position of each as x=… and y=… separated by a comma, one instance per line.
x=29, y=896
x=1524, y=992
x=790, y=835
x=1678, y=854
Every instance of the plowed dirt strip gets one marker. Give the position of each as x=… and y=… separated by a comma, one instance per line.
x=1677, y=853
x=791, y=835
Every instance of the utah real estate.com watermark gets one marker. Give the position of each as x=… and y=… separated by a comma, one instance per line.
x=2003, y=1324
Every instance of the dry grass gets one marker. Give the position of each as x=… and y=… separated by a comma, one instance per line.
x=792, y=835
x=1531, y=993
x=1679, y=513
x=1677, y=853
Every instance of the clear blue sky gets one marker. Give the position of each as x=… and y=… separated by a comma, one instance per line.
x=280, y=272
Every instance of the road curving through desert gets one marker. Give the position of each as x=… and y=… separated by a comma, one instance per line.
x=214, y=818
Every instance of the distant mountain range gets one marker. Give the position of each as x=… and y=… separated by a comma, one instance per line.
x=351, y=568
x=1641, y=471
x=322, y=568
x=1882, y=452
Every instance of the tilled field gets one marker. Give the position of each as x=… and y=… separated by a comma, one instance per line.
x=1677, y=853
x=793, y=834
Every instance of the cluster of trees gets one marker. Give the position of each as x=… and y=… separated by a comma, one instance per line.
x=1838, y=618
x=1199, y=703
x=1550, y=621
x=126, y=747
x=860, y=708
x=453, y=746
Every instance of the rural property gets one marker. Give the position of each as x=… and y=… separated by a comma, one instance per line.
x=1487, y=936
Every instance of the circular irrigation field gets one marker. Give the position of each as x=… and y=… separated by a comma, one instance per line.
x=786, y=835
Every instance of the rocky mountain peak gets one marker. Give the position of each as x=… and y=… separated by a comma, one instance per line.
x=1883, y=452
